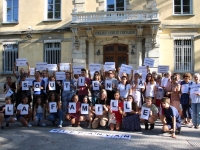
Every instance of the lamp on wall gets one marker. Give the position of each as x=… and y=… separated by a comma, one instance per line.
x=77, y=44
x=132, y=52
x=28, y=33
x=98, y=53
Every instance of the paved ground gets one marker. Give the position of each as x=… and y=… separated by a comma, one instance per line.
x=16, y=138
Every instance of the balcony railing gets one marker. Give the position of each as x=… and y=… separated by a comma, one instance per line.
x=115, y=16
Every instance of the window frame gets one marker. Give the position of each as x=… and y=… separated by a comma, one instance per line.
x=105, y=6
x=182, y=55
x=53, y=49
x=46, y=11
x=182, y=14
x=4, y=57
x=5, y=12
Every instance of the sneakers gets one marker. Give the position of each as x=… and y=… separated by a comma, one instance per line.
x=152, y=126
x=196, y=127
x=29, y=125
x=179, y=131
x=60, y=126
x=146, y=126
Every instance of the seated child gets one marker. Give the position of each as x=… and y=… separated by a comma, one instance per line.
x=173, y=119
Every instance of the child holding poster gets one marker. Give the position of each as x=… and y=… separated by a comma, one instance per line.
x=173, y=119
x=124, y=88
x=101, y=119
x=74, y=117
x=150, y=87
x=6, y=118
x=24, y=112
x=53, y=97
x=39, y=112
x=115, y=116
x=131, y=121
x=90, y=116
x=152, y=114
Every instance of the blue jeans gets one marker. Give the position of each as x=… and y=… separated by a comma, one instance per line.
x=52, y=117
x=66, y=98
x=196, y=113
x=39, y=117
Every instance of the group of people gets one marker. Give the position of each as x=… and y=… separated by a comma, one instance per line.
x=167, y=96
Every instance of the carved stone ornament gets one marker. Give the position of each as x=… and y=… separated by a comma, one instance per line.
x=154, y=30
x=115, y=39
x=75, y=38
x=89, y=31
x=139, y=31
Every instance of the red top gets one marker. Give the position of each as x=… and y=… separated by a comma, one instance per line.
x=118, y=116
x=83, y=90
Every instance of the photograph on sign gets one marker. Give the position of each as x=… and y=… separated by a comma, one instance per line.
x=21, y=62
x=149, y=62
x=72, y=107
x=141, y=83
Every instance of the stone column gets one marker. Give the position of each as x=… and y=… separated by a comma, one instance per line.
x=139, y=51
x=91, y=50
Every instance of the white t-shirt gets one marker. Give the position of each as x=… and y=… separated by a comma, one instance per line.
x=150, y=89
x=159, y=92
x=194, y=88
x=39, y=109
x=20, y=107
x=137, y=95
x=124, y=90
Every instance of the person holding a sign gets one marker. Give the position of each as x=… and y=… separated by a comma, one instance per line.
x=45, y=78
x=6, y=112
x=9, y=85
x=68, y=90
x=24, y=112
x=39, y=112
x=21, y=72
x=151, y=115
x=150, y=86
x=53, y=86
x=173, y=119
x=159, y=93
x=131, y=121
x=87, y=114
x=115, y=112
x=195, y=100
x=124, y=87
x=110, y=86
x=103, y=118
x=53, y=97
x=83, y=87
x=137, y=89
x=185, y=98
x=74, y=117
x=95, y=87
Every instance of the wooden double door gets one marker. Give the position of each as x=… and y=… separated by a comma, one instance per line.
x=117, y=53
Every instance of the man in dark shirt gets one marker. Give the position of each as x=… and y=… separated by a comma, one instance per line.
x=173, y=119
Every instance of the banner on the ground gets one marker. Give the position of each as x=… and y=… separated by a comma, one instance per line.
x=99, y=134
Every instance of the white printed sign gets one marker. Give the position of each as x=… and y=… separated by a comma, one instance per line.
x=114, y=105
x=141, y=83
x=37, y=86
x=41, y=66
x=32, y=71
x=77, y=69
x=163, y=69
x=127, y=106
x=9, y=109
x=149, y=62
x=126, y=69
x=60, y=76
x=108, y=85
x=9, y=93
x=24, y=109
x=25, y=85
x=98, y=109
x=84, y=108
x=21, y=62
x=185, y=88
x=145, y=113
x=164, y=81
x=109, y=66
x=95, y=67
x=52, y=67
x=72, y=107
x=52, y=85
x=95, y=85
x=64, y=66
x=30, y=81
x=66, y=86
x=81, y=81
x=53, y=107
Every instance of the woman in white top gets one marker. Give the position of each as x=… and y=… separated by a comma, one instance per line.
x=150, y=87
x=195, y=103
x=137, y=90
x=124, y=88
